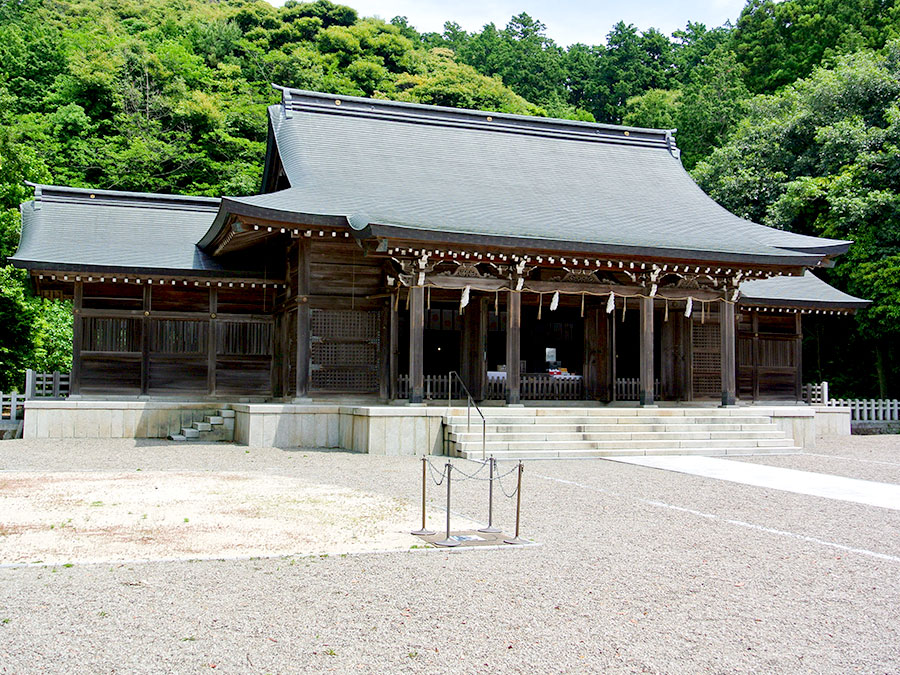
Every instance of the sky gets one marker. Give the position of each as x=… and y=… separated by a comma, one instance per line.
x=567, y=21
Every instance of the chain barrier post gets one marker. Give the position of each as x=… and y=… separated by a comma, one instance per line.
x=448, y=541
x=517, y=539
x=424, y=532
x=490, y=529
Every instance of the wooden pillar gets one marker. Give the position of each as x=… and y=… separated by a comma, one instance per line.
x=416, y=344
x=729, y=365
x=798, y=357
x=301, y=387
x=472, y=367
x=646, y=346
x=481, y=376
x=394, y=344
x=145, y=342
x=513, y=350
x=611, y=357
x=686, y=353
x=384, y=352
x=681, y=327
x=668, y=361
x=754, y=355
x=77, y=341
x=211, y=341
x=597, y=347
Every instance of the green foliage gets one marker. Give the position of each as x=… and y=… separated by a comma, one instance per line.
x=17, y=319
x=171, y=96
x=779, y=42
x=822, y=157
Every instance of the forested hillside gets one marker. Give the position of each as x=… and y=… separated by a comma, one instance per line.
x=791, y=117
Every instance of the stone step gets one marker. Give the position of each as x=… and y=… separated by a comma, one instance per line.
x=215, y=419
x=582, y=419
x=177, y=437
x=467, y=446
x=686, y=435
x=202, y=426
x=226, y=413
x=608, y=411
x=190, y=433
x=513, y=455
x=605, y=428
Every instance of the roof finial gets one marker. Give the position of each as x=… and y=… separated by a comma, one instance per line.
x=286, y=103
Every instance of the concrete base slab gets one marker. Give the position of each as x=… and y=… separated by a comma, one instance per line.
x=871, y=493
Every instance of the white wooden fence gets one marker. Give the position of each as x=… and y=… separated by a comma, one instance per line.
x=815, y=393
x=861, y=410
x=869, y=410
x=46, y=385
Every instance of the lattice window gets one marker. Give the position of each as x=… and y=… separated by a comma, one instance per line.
x=235, y=338
x=111, y=335
x=170, y=336
x=344, y=350
x=707, y=359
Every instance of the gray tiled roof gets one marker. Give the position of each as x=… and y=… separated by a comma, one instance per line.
x=524, y=180
x=71, y=228
x=806, y=291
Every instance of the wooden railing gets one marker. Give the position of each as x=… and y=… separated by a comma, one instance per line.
x=436, y=387
x=46, y=385
x=629, y=389
x=12, y=406
x=534, y=387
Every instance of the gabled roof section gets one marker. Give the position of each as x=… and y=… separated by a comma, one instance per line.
x=74, y=228
x=805, y=292
x=411, y=171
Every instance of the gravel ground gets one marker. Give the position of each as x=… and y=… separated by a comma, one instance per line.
x=639, y=570
x=864, y=457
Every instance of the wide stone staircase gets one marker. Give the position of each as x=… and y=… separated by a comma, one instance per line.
x=543, y=433
x=207, y=427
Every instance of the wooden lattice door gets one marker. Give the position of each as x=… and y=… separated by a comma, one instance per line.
x=706, y=357
x=344, y=348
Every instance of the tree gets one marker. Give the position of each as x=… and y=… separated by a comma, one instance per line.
x=822, y=157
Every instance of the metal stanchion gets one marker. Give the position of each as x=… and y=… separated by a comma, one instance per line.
x=517, y=539
x=490, y=526
x=424, y=531
x=448, y=541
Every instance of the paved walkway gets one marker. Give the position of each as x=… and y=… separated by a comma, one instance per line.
x=884, y=495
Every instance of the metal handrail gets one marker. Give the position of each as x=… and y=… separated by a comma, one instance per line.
x=470, y=403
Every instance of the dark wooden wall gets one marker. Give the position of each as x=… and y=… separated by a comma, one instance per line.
x=768, y=346
x=174, y=339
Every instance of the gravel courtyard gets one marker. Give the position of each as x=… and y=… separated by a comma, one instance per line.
x=638, y=570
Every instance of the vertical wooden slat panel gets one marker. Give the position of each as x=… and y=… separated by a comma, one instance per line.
x=77, y=339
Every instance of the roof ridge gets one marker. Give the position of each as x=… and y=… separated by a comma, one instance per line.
x=61, y=193
x=402, y=111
